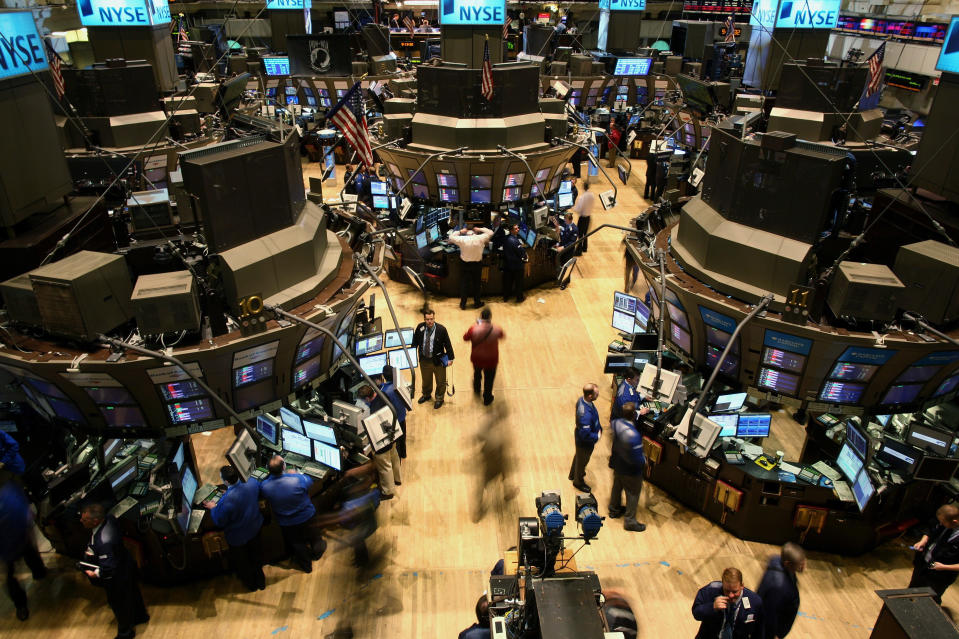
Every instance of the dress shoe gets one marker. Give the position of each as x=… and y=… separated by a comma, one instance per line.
x=385, y=497
x=423, y=399
x=318, y=552
x=635, y=527
x=583, y=488
x=488, y=400
x=477, y=390
x=616, y=513
x=23, y=613
x=398, y=483
x=139, y=620
x=463, y=305
x=126, y=635
x=437, y=403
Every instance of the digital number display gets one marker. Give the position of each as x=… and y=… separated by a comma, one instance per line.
x=190, y=411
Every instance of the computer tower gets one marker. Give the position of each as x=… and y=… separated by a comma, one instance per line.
x=166, y=302
x=83, y=295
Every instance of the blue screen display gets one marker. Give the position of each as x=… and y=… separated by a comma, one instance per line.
x=808, y=14
x=848, y=462
x=754, y=425
x=627, y=5
x=633, y=66
x=472, y=12
x=949, y=56
x=27, y=54
x=123, y=13
x=277, y=66
x=289, y=5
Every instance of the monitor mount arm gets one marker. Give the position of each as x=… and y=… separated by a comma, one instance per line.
x=121, y=345
x=657, y=382
x=923, y=324
x=595, y=161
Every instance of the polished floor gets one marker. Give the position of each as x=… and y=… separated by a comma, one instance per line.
x=439, y=538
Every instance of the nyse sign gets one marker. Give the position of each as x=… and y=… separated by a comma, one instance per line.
x=627, y=5
x=472, y=12
x=123, y=13
x=289, y=5
x=808, y=14
x=21, y=49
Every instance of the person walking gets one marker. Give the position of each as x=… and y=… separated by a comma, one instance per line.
x=484, y=337
x=584, y=206
x=779, y=590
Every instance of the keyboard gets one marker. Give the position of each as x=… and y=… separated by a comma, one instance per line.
x=139, y=489
x=206, y=492
x=790, y=468
x=123, y=506
x=842, y=490
x=259, y=473
x=313, y=470
x=823, y=467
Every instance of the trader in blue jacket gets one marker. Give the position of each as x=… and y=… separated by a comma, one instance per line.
x=779, y=590
x=626, y=392
x=238, y=514
x=585, y=435
x=10, y=459
x=289, y=497
x=16, y=542
x=628, y=463
x=728, y=610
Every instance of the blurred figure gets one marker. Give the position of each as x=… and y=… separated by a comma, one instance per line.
x=289, y=496
x=494, y=459
x=480, y=629
x=619, y=614
x=937, y=553
x=238, y=514
x=584, y=207
x=10, y=459
x=779, y=590
x=16, y=542
x=484, y=338
x=351, y=504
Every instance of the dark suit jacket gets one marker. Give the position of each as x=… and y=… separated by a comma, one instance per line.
x=945, y=552
x=513, y=253
x=116, y=565
x=441, y=342
x=780, y=596
x=749, y=621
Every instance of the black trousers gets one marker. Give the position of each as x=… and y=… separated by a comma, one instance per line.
x=401, y=442
x=583, y=225
x=245, y=560
x=649, y=191
x=31, y=557
x=923, y=577
x=305, y=543
x=126, y=602
x=512, y=283
x=484, y=376
x=470, y=281
x=577, y=470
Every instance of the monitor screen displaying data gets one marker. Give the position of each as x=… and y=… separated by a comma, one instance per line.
x=297, y=443
x=849, y=462
x=319, y=432
x=327, y=455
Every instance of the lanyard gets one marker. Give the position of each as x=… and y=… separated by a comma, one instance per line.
x=726, y=618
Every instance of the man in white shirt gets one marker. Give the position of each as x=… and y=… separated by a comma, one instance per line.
x=471, y=242
x=584, y=207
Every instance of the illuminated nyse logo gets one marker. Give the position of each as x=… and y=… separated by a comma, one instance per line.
x=107, y=13
x=808, y=15
x=21, y=49
x=627, y=5
x=474, y=12
x=289, y=4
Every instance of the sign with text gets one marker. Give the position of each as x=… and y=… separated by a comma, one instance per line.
x=289, y=5
x=21, y=49
x=808, y=14
x=472, y=12
x=627, y=5
x=764, y=14
x=123, y=13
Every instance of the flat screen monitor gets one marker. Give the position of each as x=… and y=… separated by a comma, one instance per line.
x=853, y=372
x=310, y=348
x=449, y=195
x=754, y=424
x=947, y=386
x=624, y=302
x=433, y=233
x=623, y=322
x=677, y=316
x=917, y=374
x=421, y=191
x=276, y=65
x=633, y=66
x=481, y=181
x=679, y=337
x=841, y=392
x=446, y=179
x=306, y=372
x=179, y=456
x=291, y=419
x=728, y=421
x=381, y=202
x=180, y=390
x=936, y=469
x=898, y=456
x=564, y=200
x=191, y=410
x=515, y=179
x=784, y=359
x=421, y=242
x=377, y=188
x=729, y=403
x=730, y=364
x=122, y=415
x=320, y=432
x=480, y=196
x=109, y=395
x=297, y=443
x=848, y=462
x=616, y=364
x=858, y=440
x=929, y=439
x=949, y=54
x=267, y=429
x=369, y=343
x=641, y=316
x=530, y=237
x=623, y=173
x=290, y=90
x=252, y=373
x=124, y=473
x=327, y=455
x=778, y=381
x=512, y=193
x=398, y=359
x=373, y=364
x=862, y=490
x=392, y=338
x=901, y=394
x=110, y=448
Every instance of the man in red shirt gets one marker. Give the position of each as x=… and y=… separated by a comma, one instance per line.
x=485, y=356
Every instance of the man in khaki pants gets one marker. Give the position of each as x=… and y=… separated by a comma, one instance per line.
x=432, y=343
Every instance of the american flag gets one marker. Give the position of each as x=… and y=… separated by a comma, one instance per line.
x=183, y=35
x=410, y=24
x=487, y=88
x=875, y=70
x=509, y=21
x=349, y=115
x=55, y=72
x=730, y=29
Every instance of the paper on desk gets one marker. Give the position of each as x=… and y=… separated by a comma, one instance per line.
x=663, y=508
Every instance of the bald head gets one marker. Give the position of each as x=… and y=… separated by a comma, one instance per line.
x=277, y=465
x=948, y=515
x=590, y=392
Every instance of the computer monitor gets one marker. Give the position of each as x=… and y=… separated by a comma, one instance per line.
x=320, y=432
x=373, y=364
x=180, y=390
x=530, y=237
x=277, y=65
x=327, y=455
x=697, y=432
x=624, y=302
x=123, y=473
x=188, y=486
x=836, y=392
x=623, y=322
x=727, y=421
x=900, y=457
x=297, y=443
x=432, y=233
x=729, y=403
x=110, y=448
x=241, y=454
x=947, y=386
x=291, y=419
x=862, y=490
x=381, y=202
x=849, y=462
x=668, y=383
x=641, y=316
x=379, y=427
x=392, y=338
x=617, y=363
x=480, y=196
x=901, y=394
x=421, y=242
x=853, y=372
x=369, y=343
x=936, y=469
x=929, y=439
x=378, y=188
x=564, y=200
x=179, y=456
x=398, y=359
x=680, y=337
x=191, y=410
x=858, y=440
x=633, y=66
x=267, y=429
x=754, y=424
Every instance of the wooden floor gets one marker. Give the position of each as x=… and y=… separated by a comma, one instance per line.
x=434, y=558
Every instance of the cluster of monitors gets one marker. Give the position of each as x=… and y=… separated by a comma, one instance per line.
x=564, y=195
x=742, y=424
x=630, y=315
x=309, y=439
x=381, y=198
x=924, y=31
x=372, y=358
